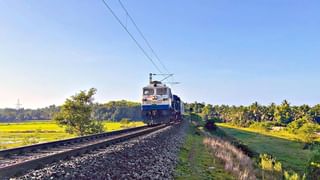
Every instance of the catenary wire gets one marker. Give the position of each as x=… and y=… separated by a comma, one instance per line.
x=143, y=36
x=132, y=37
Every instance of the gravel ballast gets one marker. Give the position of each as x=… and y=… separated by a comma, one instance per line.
x=151, y=156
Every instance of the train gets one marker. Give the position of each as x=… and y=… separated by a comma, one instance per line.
x=159, y=105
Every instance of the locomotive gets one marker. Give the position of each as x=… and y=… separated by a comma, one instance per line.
x=159, y=105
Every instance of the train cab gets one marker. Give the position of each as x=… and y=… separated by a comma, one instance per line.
x=156, y=102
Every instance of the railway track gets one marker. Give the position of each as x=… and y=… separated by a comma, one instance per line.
x=18, y=160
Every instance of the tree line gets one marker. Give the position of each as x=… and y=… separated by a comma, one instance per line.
x=281, y=115
x=113, y=110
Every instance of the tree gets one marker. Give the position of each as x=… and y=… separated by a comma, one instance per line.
x=76, y=114
x=255, y=111
x=315, y=113
x=207, y=112
x=283, y=113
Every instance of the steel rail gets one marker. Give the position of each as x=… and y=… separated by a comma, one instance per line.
x=34, y=147
x=18, y=168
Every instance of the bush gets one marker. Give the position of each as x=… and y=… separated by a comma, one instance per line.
x=210, y=125
x=294, y=126
x=271, y=168
x=267, y=162
x=313, y=168
x=291, y=175
x=308, y=131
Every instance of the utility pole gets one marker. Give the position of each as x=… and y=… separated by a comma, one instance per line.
x=150, y=78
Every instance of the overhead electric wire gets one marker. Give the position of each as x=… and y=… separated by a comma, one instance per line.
x=142, y=35
x=132, y=37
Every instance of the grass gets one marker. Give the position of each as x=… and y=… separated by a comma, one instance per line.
x=285, y=148
x=278, y=134
x=196, y=161
x=25, y=133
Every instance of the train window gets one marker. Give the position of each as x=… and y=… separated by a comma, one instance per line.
x=161, y=91
x=148, y=91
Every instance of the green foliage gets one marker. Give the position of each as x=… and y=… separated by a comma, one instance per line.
x=117, y=110
x=113, y=110
x=244, y=116
x=313, y=168
x=283, y=113
x=291, y=175
x=294, y=126
x=269, y=163
x=308, y=131
x=12, y=115
x=76, y=114
x=210, y=125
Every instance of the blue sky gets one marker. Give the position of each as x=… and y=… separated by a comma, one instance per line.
x=222, y=51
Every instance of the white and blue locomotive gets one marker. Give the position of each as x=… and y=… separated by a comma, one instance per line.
x=159, y=105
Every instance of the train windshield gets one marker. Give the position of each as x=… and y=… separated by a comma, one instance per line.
x=161, y=91
x=148, y=91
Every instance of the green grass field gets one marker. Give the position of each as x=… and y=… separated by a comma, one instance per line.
x=25, y=133
x=277, y=134
x=281, y=145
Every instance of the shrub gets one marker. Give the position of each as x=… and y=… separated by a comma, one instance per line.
x=308, y=131
x=313, y=168
x=210, y=125
x=269, y=163
x=294, y=126
x=271, y=169
x=291, y=175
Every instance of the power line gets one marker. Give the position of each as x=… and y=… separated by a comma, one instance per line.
x=132, y=37
x=142, y=35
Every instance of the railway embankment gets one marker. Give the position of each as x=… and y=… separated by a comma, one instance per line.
x=196, y=160
x=152, y=156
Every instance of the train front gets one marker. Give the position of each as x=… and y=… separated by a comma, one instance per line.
x=156, y=104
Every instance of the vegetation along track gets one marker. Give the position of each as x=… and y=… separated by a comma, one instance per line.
x=18, y=160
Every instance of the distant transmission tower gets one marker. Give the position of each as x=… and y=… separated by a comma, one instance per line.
x=18, y=105
x=18, y=109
